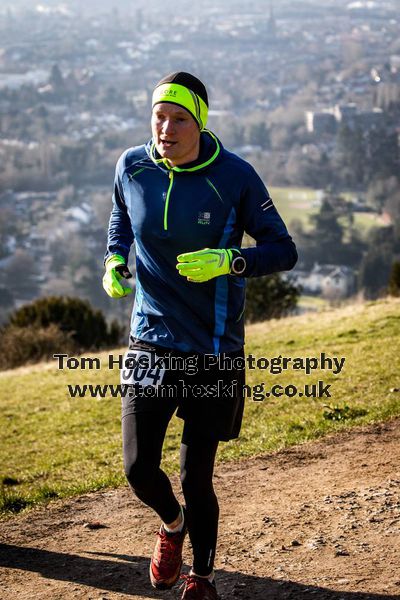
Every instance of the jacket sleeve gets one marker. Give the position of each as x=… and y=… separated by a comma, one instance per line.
x=120, y=235
x=275, y=250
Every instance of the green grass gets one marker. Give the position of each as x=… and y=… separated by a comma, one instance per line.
x=314, y=303
x=54, y=446
x=300, y=203
x=365, y=221
x=295, y=203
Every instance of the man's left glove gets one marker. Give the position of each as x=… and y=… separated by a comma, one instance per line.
x=205, y=264
x=116, y=269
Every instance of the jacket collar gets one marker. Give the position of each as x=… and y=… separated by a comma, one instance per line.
x=210, y=148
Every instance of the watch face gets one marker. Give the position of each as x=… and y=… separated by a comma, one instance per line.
x=238, y=265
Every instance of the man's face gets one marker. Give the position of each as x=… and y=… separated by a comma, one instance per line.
x=175, y=133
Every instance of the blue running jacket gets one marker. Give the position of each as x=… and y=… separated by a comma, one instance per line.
x=166, y=211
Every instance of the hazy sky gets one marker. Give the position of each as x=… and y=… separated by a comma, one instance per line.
x=108, y=4
x=101, y=6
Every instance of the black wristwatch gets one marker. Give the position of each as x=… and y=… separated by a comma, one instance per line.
x=238, y=265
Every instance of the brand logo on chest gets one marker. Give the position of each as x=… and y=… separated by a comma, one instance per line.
x=204, y=218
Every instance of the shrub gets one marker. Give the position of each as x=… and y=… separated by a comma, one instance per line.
x=86, y=326
x=22, y=345
x=269, y=297
x=52, y=325
x=394, y=279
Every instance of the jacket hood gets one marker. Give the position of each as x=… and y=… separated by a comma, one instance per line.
x=210, y=151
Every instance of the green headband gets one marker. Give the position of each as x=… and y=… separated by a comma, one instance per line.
x=179, y=94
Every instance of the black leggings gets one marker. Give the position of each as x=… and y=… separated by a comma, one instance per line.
x=143, y=436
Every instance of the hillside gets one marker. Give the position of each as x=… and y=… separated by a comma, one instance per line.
x=316, y=521
x=55, y=446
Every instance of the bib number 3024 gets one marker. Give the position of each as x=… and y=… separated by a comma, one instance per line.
x=145, y=368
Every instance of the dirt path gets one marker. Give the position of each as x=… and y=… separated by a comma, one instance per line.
x=318, y=521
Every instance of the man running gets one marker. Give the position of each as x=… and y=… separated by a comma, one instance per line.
x=185, y=201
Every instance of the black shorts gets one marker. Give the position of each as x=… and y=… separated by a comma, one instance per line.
x=206, y=390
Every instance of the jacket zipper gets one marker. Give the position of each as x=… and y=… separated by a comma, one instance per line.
x=171, y=182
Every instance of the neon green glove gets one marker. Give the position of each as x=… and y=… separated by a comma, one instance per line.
x=205, y=264
x=116, y=270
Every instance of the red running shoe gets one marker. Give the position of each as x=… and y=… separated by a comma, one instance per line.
x=166, y=562
x=198, y=588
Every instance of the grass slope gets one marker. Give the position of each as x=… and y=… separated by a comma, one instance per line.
x=301, y=203
x=53, y=445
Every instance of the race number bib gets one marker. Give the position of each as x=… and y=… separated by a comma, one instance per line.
x=141, y=367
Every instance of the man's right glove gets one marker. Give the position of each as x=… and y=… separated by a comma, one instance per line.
x=116, y=269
